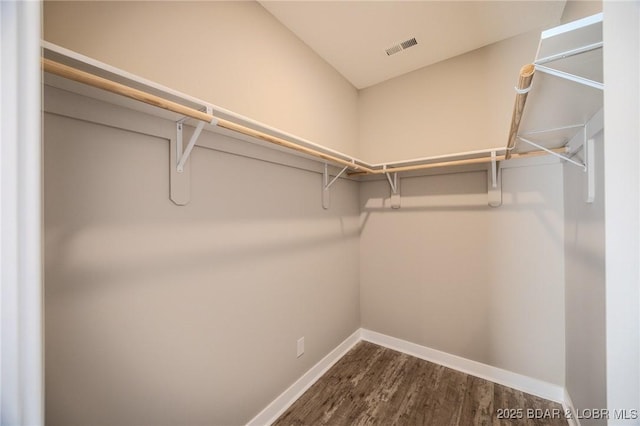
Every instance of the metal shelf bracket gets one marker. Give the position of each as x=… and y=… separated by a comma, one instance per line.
x=179, y=176
x=326, y=184
x=494, y=170
x=555, y=154
x=494, y=182
x=590, y=178
x=588, y=166
x=394, y=183
x=183, y=155
x=570, y=77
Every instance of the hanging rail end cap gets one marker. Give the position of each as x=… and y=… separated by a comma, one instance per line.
x=527, y=70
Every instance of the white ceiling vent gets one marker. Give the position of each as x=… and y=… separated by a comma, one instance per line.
x=401, y=46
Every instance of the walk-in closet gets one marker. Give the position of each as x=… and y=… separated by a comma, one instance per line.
x=304, y=213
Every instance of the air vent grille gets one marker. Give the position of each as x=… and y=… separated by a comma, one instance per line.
x=401, y=46
x=408, y=43
x=395, y=49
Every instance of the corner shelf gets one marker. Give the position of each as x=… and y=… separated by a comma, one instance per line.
x=567, y=90
x=564, y=108
x=566, y=95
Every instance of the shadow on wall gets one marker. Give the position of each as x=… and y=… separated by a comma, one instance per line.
x=469, y=279
x=93, y=253
x=454, y=192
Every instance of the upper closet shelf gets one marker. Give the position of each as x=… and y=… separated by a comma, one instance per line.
x=564, y=102
x=567, y=90
x=65, y=69
x=565, y=95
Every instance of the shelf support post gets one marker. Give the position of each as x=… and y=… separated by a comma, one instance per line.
x=179, y=177
x=179, y=182
x=494, y=182
x=570, y=77
x=555, y=154
x=494, y=170
x=589, y=170
x=394, y=183
x=326, y=184
x=183, y=155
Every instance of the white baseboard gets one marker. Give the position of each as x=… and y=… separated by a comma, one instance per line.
x=507, y=378
x=289, y=396
x=517, y=381
x=567, y=404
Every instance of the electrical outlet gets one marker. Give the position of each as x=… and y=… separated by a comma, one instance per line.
x=300, y=350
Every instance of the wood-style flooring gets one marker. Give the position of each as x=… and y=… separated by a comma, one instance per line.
x=372, y=385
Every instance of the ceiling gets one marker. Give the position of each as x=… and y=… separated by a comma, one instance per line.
x=353, y=36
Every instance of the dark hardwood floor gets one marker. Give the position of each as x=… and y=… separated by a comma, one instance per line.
x=372, y=385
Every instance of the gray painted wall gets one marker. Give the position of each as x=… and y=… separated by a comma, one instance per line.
x=148, y=302
x=585, y=288
x=448, y=272
x=166, y=315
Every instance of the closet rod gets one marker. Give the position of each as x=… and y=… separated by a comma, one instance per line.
x=71, y=73
x=139, y=95
x=437, y=157
x=522, y=90
x=229, y=125
x=479, y=160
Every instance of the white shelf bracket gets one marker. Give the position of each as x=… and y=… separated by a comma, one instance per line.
x=494, y=183
x=589, y=171
x=394, y=183
x=570, y=53
x=570, y=77
x=179, y=182
x=179, y=179
x=555, y=154
x=326, y=184
x=494, y=170
x=183, y=155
